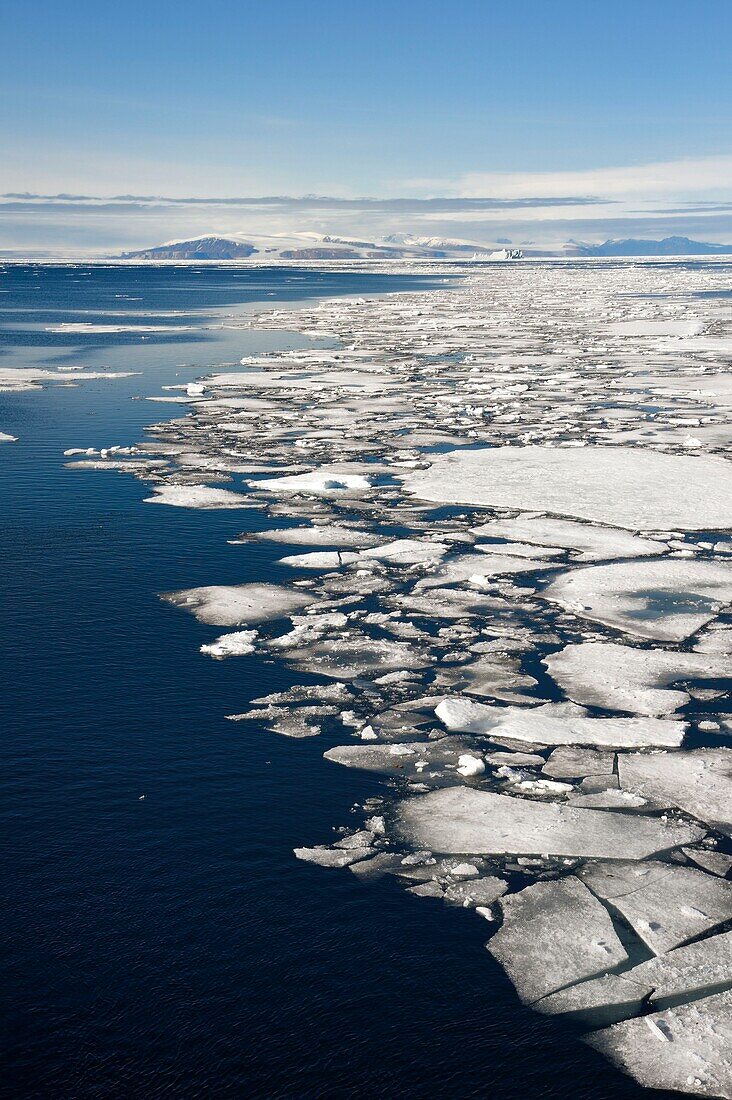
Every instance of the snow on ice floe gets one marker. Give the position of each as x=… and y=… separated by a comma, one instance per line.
x=557, y=724
x=554, y=934
x=238, y=604
x=197, y=496
x=666, y=905
x=697, y=782
x=469, y=821
x=685, y=1048
x=621, y=678
x=621, y=486
x=349, y=659
x=669, y=599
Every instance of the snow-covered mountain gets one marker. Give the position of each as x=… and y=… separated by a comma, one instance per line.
x=311, y=246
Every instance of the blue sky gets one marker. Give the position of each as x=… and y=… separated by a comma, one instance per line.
x=625, y=102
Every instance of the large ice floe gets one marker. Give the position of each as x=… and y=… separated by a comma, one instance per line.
x=669, y=599
x=463, y=820
x=501, y=515
x=622, y=486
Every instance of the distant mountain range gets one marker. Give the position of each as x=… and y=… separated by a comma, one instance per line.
x=398, y=246
x=669, y=246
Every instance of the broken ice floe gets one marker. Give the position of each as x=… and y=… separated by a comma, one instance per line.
x=685, y=1048
x=592, y=543
x=695, y=970
x=236, y=644
x=197, y=496
x=554, y=934
x=665, y=904
x=697, y=782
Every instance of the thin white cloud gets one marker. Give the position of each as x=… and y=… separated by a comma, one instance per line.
x=679, y=178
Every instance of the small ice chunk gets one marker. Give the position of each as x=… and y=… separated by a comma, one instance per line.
x=476, y=891
x=407, y=551
x=574, y=763
x=332, y=857
x=236, y=644
x=326, y=480
x=197, y=496
x=470, y=765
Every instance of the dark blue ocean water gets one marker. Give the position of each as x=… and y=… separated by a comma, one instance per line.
x=172, y=946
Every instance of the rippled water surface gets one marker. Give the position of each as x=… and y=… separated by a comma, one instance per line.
x=171, y=945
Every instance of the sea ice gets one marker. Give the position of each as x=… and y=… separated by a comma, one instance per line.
x=571, y=763
x=685, y=1048
x=197, y=496
x=593, y=543
x=692, y=971
x=326, y=480
x=319, y=535
x=236, y=644
x=407, y=552
x=476, y=891
x=698, y=782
